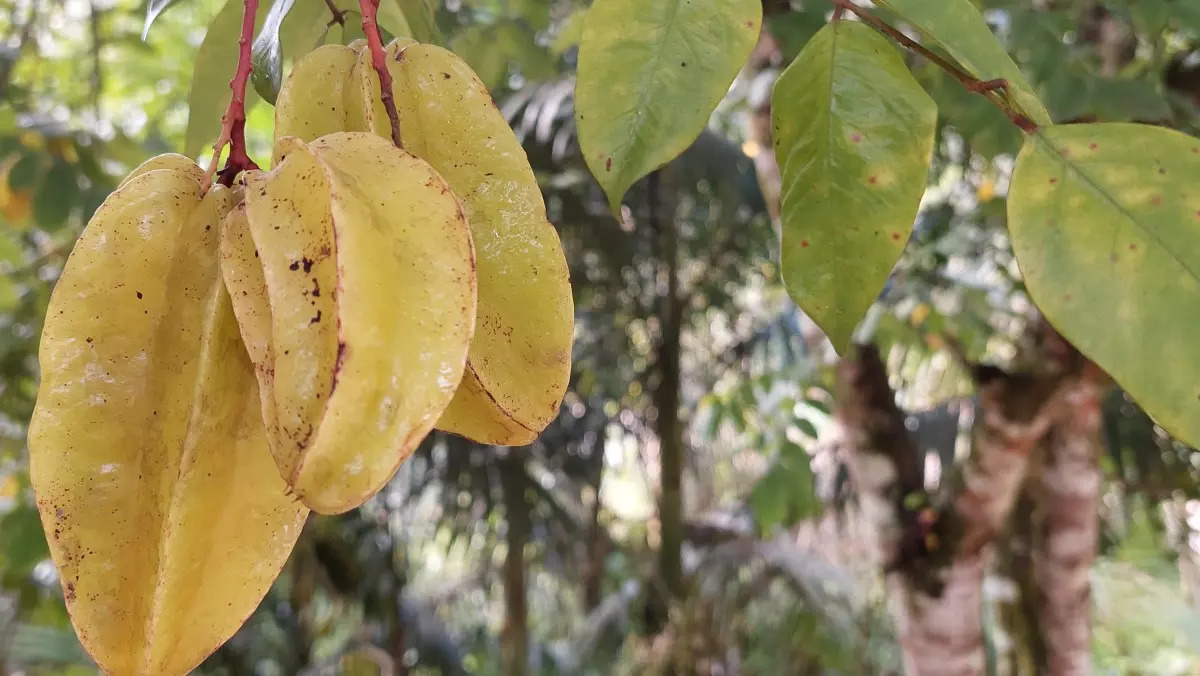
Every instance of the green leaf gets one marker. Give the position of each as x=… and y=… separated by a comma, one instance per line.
x=959, y=28
x=267, y=53
x=47, y=645
x=853, y=132
x=216, y=61
x=22, y=543
x=650, y=74
x=25, y=171
x=1105, y=224
x=784, y=496
x=570, y=32
x=303, y=27
x=154, y=9
x=56, y=195
x=411, y=18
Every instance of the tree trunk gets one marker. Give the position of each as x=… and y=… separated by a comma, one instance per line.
x=1068, y=530
x=668, y=426
x=515, y=638
x=936, y=549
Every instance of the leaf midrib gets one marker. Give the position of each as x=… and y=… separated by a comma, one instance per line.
x=1120, y=208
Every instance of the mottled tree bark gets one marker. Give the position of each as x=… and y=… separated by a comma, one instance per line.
x=936, y=548
x=1067, y=529
x=515, y=638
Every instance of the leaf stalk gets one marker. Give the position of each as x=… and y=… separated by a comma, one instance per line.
x=987, y=88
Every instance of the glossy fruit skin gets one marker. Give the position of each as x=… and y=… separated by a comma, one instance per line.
x=368, y=272
x=520, y=360
x=165, y=516
x=312, y=101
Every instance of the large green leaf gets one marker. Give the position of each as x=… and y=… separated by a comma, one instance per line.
x=959, y=28
x=1105, y=223
x=304, y=27
x=411, y=18
x=216, y=61
x=650, y=74
x=853, y=133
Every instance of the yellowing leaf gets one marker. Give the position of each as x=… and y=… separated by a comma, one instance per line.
x=853, y=134
x=959, y=28
x=1105, y=224
x=650, y=74
x=165, y=515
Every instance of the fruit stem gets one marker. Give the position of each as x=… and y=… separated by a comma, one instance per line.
x=233, y=122
x=379, y=61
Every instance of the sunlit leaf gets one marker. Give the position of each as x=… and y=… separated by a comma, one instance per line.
x=960, y=29
x=1105, y=224
x=302, y=29
x=411, y=18
x=216, y=61
x=650, y=74
x=853, y=134
x=267, y=53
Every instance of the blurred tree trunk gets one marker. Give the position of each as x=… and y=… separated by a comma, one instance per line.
x=1019, y=613
x=1067, y=529
x=936, y=548
x=515, y=637
x=667, y=425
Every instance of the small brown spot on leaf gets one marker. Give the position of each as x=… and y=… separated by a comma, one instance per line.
x=896, y=236
x=1093, y=146
x=856, y=137
x=1133, y=247
x=139, y=294
x=1053, y=181
x=1156, y=200
x=804, y=244
x=608, y=164
x=873, y=180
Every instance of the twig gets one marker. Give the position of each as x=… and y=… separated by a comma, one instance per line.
x=233, y=122
x=379, y=63
x=339, y=16
x=986, y=88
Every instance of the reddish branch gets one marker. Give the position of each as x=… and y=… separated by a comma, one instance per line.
x=379, y=63
x=987, y=88
x=233, y=122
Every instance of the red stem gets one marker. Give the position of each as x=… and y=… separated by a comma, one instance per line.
x=233, y=122
x=379, y=63
x=987, y=88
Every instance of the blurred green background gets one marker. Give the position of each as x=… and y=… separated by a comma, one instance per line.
x=545, y=559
